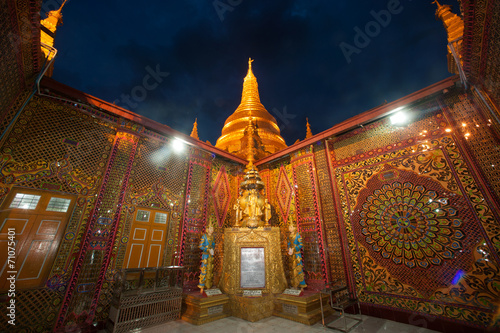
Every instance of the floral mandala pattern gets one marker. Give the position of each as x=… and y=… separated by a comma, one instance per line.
x=411, y=225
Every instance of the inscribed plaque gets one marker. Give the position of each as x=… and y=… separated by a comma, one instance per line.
x=213, y=292
x=215, y=309
x=253, y=268
x=288, y=308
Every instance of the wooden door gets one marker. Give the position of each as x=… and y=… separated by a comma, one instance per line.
x=147, y=239
x=39, y=219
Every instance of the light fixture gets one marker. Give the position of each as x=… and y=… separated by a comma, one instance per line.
x=399, y=118
x=178, y=145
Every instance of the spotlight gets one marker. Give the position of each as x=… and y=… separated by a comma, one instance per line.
x=399, y=118
x=178, y=145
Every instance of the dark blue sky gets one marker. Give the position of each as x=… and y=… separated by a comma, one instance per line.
x=107, y=48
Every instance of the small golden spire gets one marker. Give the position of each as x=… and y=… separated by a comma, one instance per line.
x=194, y=132
x=454, y=26
x=437, y=3
x=54, y=19
x=62, y=5
x=442, y=10
x=250, y=87
x=250, y=147
x=308, y=130
x=57, y=14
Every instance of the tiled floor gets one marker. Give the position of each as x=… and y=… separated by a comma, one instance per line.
x=276, y=325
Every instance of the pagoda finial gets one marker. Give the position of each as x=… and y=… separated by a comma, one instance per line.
x=454, y=26
x=194, y=132
x=250, y=73
x=250, y=60
x=57, y=14
x=47, y=35
x=442, y=11
x=308, y=129
x=62, y=5
x=250, y=88
x=437, y=3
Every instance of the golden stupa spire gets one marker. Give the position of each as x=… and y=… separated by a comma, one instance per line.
x=194, y=132
x=54, y=17
x=265, y=124
x=251, y=149
x=308, y=129
x=250, y=87
x=250, y=60
x=437, y=3
x=48, y=32
x=454, y=26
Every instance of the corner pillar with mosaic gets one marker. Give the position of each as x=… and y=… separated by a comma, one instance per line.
x=200, y=308
x=194, y=218
x=309, y=219
x=305, y=307
x=90, y=273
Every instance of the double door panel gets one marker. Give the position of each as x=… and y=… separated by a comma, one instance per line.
x=147, y=239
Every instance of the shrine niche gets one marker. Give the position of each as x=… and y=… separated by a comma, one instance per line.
x=263, y=244
x=252, y=209
x=251, y=244
x=252, y=253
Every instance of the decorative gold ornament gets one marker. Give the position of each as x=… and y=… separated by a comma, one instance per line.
x=252, y=209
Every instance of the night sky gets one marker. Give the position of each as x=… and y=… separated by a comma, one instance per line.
x=198, y=53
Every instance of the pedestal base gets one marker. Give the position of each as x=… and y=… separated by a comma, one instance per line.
x=198, y=309
x=304, y=309
x=252, y=308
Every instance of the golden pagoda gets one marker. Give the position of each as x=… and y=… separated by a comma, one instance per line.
x=308, y=129
x=251, y=113
x=194, y=132
x=48, y=29
x=454, y=26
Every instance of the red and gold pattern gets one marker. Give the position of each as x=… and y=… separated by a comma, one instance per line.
x=284, y=193
x=221, y=196
x=414, y=219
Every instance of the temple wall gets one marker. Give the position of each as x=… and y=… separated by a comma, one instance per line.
x=419, y=208
x=408, y=215
x=112, y=169
x=480, y=58
x=19, y=56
